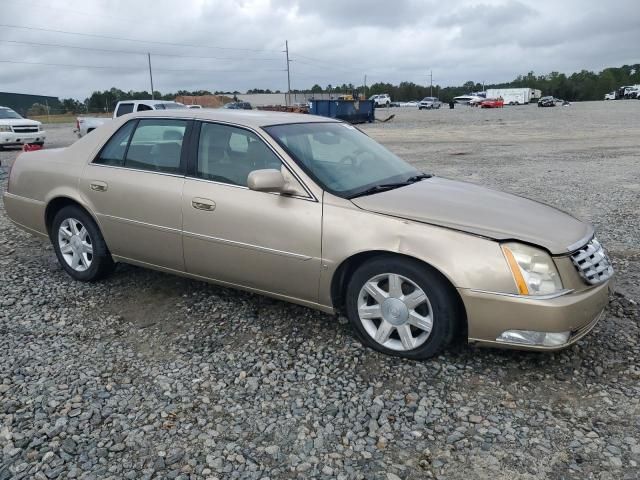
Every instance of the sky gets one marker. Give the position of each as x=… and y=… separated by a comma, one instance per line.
x=69, y=48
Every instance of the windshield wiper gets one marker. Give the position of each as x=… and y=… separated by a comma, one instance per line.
x=378, y=188
x=417, y=178
x=390, y=186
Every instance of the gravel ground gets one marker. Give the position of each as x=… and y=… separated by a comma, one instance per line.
x=147, y=375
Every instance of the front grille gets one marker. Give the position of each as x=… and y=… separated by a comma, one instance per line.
x=593, y=263
x=25, y=129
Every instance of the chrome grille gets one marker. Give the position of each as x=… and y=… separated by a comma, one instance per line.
x=25, y=128
x=593, y=263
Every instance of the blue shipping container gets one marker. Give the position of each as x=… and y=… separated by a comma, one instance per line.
x=352, y=111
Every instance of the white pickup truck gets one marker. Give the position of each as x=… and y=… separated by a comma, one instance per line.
x=85, y=125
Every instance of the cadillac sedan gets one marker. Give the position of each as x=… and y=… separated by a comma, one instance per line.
x=313, y=211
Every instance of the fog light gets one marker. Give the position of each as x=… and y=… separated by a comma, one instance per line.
x=529, y=337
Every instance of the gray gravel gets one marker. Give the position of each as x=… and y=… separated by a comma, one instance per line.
x=147, y=375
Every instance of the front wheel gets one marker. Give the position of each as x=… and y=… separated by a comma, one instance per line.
x=79, y=245
x=401, y=307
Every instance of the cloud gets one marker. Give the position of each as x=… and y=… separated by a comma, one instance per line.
x=229, y=45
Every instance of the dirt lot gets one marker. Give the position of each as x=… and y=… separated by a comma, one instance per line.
x=147, y=375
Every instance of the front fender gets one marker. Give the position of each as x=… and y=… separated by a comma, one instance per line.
x=466, y=260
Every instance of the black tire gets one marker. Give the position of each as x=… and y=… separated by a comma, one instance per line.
x=101, y=262
x=448, y=314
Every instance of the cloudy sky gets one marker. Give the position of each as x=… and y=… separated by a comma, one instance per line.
x=238, y=44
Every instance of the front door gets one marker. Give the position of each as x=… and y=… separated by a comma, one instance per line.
x=134, y=187
x=265, y=241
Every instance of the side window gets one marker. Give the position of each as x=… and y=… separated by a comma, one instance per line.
x=113, y=151
x=143, y=108
x=124, y=108
x=229, y=154
x=156, y=145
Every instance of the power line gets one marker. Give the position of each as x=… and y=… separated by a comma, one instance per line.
x=132, y=52
x=119, y=67
x=136, y=40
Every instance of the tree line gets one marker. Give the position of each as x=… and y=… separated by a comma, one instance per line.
x=579, y=86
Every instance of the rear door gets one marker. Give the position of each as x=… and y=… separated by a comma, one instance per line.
x=134, y=186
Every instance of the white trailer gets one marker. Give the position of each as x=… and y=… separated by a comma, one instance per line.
x=514, y=96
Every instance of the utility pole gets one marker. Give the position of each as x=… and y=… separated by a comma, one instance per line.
x=150, y=75
x=365, y=86
x=431, y=83
x=286, y=50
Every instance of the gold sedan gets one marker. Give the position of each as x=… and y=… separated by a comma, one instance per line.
x=313, y=211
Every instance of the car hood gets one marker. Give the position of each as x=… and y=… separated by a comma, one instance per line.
x=18, y=121
x=481, y=211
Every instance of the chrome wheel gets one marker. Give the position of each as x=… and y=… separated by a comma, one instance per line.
x=395, y=312
x=75, y=244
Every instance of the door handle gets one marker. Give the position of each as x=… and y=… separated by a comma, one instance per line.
x=98, y=186
x=203, y=204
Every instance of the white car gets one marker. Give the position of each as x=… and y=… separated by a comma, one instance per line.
x=382, y=100
x=15, y=130
x=610, y=96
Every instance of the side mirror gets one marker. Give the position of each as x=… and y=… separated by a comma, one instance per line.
x=267, y=180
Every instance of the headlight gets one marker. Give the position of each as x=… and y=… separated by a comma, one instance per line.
x=533, y=269
x=5, y=128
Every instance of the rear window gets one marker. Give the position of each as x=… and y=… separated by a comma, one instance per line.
x=124, y=108
x=156, y=145
x=114, y=150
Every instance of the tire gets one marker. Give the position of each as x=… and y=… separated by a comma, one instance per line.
x=425, y=338
x=86, y=257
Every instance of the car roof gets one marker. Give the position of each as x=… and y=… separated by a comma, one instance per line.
x=250, y=118
x=148, y=102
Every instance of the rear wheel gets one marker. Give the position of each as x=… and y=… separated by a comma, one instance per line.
x=401, y=307
x=79, y=245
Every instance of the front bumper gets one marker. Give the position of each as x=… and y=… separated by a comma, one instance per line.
x=11, y=138
x=491, y=314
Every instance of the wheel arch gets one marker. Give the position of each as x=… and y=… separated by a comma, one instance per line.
x=58, y=203
x=347, y=268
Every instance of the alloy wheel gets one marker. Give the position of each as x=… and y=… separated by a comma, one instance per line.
x=395, y=312
x=75, y=244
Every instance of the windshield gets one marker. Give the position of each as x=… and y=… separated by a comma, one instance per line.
x=342, y=159
x=8, y=113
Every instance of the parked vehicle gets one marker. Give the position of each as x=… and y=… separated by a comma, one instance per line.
x=429, y=103
x=492, y=103
x=238, y=106
x=610, y=95
x=547, y=102
x=15, y=130
x=471, y=98
x=85, y=125
x=628, y=91
x=632, y=93
x=514, y=96
x=410, y=103
x=312, y=211
x=382, y=100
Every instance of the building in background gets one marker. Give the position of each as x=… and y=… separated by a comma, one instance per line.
x=23, y=103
